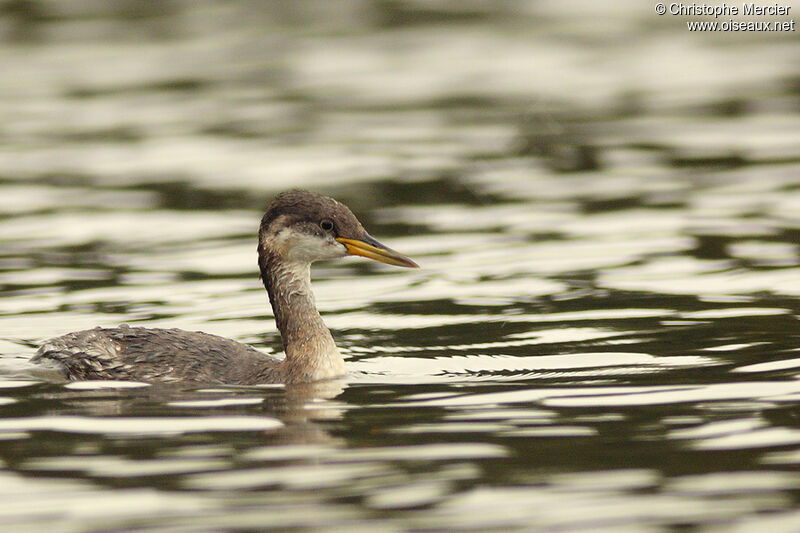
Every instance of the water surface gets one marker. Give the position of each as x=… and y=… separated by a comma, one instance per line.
x=604, y=331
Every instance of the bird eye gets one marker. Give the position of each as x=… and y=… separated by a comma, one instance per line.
x=326, y=224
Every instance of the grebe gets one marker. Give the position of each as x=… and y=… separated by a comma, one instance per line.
x=299, y=227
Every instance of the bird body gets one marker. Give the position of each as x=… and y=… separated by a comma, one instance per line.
x=299, y=227
x=153, y=354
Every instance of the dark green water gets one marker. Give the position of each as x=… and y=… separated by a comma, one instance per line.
x=604, y=332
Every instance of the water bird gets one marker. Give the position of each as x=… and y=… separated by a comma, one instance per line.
x=298, y=228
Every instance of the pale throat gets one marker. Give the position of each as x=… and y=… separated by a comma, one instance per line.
x=311, y=352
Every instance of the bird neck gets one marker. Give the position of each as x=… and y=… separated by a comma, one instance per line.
x=311, y=352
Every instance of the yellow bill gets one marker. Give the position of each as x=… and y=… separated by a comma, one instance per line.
x=372, y=249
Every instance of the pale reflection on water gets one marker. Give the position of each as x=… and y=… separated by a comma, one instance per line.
x=604, y=334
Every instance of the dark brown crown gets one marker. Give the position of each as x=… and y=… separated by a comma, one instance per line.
x=299, y=206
